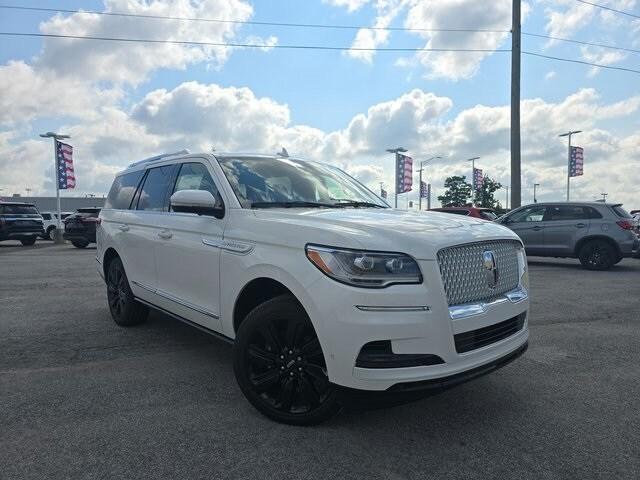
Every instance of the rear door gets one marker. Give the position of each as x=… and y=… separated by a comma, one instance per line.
x=140, y=226
x=564, y=226
x=188, y=253
x=527, y=223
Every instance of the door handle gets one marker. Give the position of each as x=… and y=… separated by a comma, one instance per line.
x=580, y=225
x=165, y=234
x=124, y=228
x=536, y=228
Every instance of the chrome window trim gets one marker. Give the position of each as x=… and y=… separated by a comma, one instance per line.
x=177, y=300
x=516, y=295
x=371, y=308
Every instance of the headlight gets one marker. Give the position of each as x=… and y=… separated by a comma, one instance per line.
x=522, y=268
x=362, y=268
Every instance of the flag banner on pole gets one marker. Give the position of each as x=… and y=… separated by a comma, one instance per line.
x=424, y=190
x=404, y=173
x=478, y=179
x=64, y=161
x=383, y=193
x=576, y=162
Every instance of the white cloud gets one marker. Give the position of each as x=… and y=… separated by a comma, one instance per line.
x=131, y=63
x=374, y=37
x=601, y=57
x=350, y=5
x=197, y=116
x=550, y=75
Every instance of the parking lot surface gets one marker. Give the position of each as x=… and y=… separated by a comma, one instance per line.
x=83, y=398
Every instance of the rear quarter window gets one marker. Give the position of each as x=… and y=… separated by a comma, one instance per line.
x=621, y=212
x=122, y=190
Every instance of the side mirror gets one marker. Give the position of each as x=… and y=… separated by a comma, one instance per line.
x=200, y=202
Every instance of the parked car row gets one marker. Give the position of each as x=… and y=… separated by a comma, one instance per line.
x=22, y=221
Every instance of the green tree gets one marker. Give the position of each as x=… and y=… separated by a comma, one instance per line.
x=457, y=192
x=484, y=196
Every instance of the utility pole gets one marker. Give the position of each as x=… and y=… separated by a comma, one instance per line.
x=506, y=205
x=397, y=152
x=473, y=180
x=604, y=196
x=515, y=104
x=57, y=236
x=568, y=134
x=535, y=186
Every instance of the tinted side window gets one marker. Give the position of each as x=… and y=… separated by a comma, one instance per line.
x=621, y=212
x=154, y=194
x=569, y=212
x=195, y=176
x=46, y=216
x=530, y=214
x=592, y=212
x=122, y=190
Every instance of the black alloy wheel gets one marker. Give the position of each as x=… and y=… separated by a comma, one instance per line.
x=597, y=255
x=280, y=366
x=125, y=310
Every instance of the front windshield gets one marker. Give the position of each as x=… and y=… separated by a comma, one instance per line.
x=261, y=182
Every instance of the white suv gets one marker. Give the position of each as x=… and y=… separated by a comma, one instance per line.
x=323, y=288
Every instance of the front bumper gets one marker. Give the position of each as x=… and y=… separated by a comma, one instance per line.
x=417, y=320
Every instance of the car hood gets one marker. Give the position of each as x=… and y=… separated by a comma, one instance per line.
x=420, y=234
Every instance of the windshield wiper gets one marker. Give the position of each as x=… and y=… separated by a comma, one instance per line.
x=345, y=202
x=291, y=204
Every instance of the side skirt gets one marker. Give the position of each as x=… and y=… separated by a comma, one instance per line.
x=213, y=333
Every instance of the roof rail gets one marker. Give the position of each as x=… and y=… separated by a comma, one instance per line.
x=184, y=151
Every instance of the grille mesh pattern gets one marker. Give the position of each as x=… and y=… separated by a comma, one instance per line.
x=464, y=275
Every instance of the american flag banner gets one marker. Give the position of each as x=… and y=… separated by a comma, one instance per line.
x=383, y=193
x=404, y=173
x=64, y=160
x=424, y=190
x=576, y=162
x=478, y=179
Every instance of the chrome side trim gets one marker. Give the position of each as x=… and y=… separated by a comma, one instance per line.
x=229, y=246
x=369, y=308
x=469, y=309
x=177, y=300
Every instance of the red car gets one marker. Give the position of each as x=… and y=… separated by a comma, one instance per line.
x=476, y=212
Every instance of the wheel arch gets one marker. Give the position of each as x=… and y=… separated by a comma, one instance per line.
x=109, y=254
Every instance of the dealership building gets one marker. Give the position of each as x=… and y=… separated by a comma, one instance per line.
x=48, y=204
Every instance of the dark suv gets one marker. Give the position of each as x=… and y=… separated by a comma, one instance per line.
x=80, y=227
x=20, y=221
x=598, y=234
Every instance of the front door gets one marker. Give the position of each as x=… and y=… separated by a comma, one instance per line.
x=188, y=254
x=527, y=223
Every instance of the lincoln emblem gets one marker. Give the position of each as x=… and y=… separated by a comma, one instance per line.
x=489, y=263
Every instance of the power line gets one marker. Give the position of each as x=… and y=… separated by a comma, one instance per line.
x=571, y=60
x=580, y=42
x=604, y=7
x=251, y=22
x=250, y=45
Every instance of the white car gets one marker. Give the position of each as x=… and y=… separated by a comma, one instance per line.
x=321, y=286
x=51, y=222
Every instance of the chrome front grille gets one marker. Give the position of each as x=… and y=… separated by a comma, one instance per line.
x=464, y=274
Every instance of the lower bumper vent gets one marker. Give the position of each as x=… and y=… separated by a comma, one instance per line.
x=378, y=354
x=467, y=341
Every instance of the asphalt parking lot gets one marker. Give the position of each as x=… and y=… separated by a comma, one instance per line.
x=83, y=398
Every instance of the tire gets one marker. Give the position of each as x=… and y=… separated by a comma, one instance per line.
x=80, y=243
x=124, y=308
x=279, y=364
x=27, y=242
x=597, y=255
x=48, y=235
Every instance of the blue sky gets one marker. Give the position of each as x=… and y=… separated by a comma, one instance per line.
x=326, y=90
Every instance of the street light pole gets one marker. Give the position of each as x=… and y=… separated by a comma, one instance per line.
x=568, y=134
x=58, y=233
x=423, y=162
x=473, y=180
x=506, y=205
x=535, y=185
x=396, y=151
x=516, y=54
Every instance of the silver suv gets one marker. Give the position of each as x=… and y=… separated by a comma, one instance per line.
x=598, y=234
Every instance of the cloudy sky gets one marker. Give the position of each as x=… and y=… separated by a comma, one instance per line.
x=124, y=101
